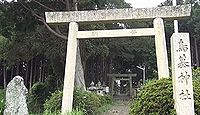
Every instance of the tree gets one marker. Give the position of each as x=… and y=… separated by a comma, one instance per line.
x=193, y=26
x=31, y=37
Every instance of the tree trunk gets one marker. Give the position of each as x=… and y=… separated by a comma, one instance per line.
x=44, y=72
x=79, y=73
x=31, y=75
x=196, y=52
x=40, y=70
x=103, y=69
x=12, y=72
x=26, y=74
x=17, y=72
x=35, y=71
x=4, y=77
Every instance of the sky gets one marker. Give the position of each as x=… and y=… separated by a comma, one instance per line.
x=144, y=3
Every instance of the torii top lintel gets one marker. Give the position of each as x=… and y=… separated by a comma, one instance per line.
x=166, y=12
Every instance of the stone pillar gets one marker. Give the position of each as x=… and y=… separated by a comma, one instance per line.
x=70, y=64
x=161, y=50
x=182, y=74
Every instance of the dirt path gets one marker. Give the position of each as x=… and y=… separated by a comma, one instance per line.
x=119, y=108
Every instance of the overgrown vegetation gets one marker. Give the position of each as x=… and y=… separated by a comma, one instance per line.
x=53, y=104
x=74, y=112
x=39, y=93
x=196, y=73
x=196, y=88
x=88, y=103
x=156, y=98
x=2, y=101
x=37, y=97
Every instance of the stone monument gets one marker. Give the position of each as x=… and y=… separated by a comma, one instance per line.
x=182, y=74
x=16, y=97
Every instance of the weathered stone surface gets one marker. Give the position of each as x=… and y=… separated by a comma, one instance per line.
x=161, y=49
x=119, y=14
x=16, y=97
x=70, y=68
x=116, y=33
x=182, y=74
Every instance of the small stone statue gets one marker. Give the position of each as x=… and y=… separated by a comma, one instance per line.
x=99, y=84
x=92, y=87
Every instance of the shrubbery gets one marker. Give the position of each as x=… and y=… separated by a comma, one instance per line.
x=89, y=102
x=156, y=98
x=83, y=101
x=196, y=73
x=39, y=93
x=2, y=101
x=196, y=88
x=37, y=97
x=53, y=105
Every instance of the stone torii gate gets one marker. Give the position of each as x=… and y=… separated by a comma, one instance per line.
x=74, y=17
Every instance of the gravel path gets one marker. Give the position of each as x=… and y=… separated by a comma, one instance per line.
x=119, y=108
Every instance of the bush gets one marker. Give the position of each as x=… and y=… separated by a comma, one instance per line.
x=83, y=101
x=2, y=101
x=53, y=105
x=196, y=88
x=156, y=98
x=39, y=93
x=196, y=73
x=74, y=112
x=37, y=97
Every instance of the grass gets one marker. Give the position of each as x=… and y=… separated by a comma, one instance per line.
x=104, y=108
x=74, y=112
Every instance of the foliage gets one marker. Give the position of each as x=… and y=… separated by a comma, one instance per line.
x=103, y=109
x=51, y=83
x=37, y=98
x=196, y=88
x=40, y=92
x=53, y=104
x=156, y=98
x=4, y=44
x=129, y=52
x=85, y=101
x=74, y=112
x=2, y=100
x=89, y=102
x=196, y=73
x=103, y=4
x=28, y=36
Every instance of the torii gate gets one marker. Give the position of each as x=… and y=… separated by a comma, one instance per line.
x=74, y=17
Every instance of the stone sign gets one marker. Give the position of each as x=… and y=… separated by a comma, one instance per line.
x=182, y=74
x=16, y=97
